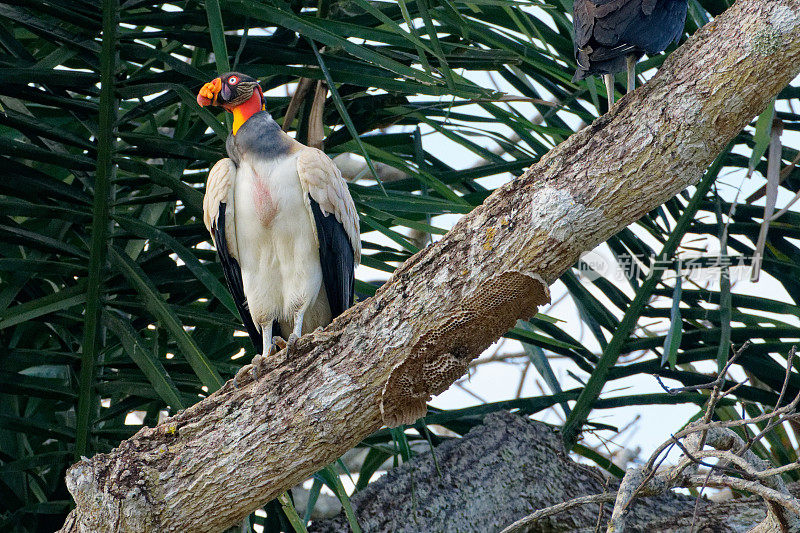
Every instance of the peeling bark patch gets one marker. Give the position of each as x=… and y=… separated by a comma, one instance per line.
x=558, y=212
x=442, y=353
x=443, y=275
x=335, y=394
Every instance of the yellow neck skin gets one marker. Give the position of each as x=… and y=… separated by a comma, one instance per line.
x=244, y=111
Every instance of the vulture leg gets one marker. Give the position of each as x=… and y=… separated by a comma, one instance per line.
x=266, y=333
x=269, y=348
x=609, y=79
x=631, y=63
x=298, y=329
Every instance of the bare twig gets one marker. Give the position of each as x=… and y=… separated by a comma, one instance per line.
x=602, y=509
x=523, y=523
x=784, y=499
x=720, y=381
x=743, y=470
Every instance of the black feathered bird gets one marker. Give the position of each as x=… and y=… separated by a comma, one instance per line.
x=611, y=35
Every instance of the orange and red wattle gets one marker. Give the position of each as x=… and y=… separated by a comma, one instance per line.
x=246, y=110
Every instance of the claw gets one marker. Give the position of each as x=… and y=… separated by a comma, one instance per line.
x=291, y=343
x=259, y=361
x=242, y=377
x=257, y=364
x=277, y=345
x=279, y=342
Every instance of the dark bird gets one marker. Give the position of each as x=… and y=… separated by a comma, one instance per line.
x=612, y=35
x=282, y=219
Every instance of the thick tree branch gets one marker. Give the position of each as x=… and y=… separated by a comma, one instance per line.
x=508, y=466
x=499, y=472
x=209, y=466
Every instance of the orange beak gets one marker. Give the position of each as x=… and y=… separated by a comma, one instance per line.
x=209, y=92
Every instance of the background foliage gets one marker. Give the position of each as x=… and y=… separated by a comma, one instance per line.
x=111, y=300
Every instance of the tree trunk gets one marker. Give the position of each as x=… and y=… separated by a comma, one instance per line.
x=505, y=469
x=210, y=465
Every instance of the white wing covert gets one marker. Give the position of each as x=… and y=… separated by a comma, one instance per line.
x=337, y=225
x=220, y=220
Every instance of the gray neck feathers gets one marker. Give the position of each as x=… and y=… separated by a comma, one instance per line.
x=259, y=136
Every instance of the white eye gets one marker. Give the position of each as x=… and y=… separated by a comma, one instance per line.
x=233, y=80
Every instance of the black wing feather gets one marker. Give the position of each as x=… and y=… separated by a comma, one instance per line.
x=654, y=32
x=606, y=31
x=233, y=277
x=337, y=260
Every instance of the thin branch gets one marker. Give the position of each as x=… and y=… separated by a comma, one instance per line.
x=524, y=523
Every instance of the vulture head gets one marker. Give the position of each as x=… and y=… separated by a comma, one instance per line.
x=235, y=92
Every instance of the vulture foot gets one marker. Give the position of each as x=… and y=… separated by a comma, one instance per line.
x=248, y=373
x=242, y=378
x=291, y=344
x=278, y=344
x=257, y=365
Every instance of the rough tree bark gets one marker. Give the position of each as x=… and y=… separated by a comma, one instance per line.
x=505, y=469
x=209, y=466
